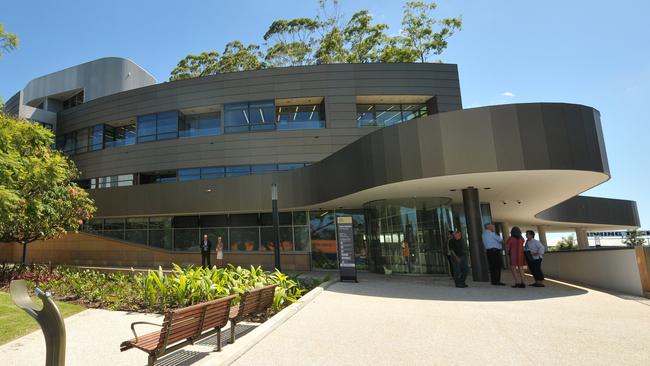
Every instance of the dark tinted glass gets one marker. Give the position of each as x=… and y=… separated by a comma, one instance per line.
x=244, y=220
x=114, y=224
x=137, y=223
x=189, y=174
x=187, y=239
x=167, y=126
x=146, y=128
x=239, y=170
x=300, y=218
x=263, y=168
x=214, y=221
x=160, y=222
x=186, y=221
x=213, y=172
x=244, y=239
x=136, y=236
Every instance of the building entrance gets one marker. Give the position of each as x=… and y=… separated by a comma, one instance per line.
x=408, y=235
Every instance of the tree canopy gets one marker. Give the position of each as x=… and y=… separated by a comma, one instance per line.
x=8, y=41
x=38, y=198
x=326, y=39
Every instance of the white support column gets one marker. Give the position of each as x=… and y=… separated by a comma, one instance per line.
x=541, y=235
x=581, y=235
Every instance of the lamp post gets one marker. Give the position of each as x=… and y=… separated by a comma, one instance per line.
x=276, y=225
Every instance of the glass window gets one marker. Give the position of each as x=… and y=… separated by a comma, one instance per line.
x=300, y=117
x=263, y=168
x=187, y=239
x=323, y=240
x=161, y=222
x=119, y=135
x=114, y=224
x=161, y=238
x=66, y=143
x=262, y=115
x=214, y=234
x=366, y=115
x=266, y=219
x=185, y=221
x=96, y=225
x=301, y=238
x=212, y=172
x=388, y=114
x=167, y=125
x=157, y=177
x=81, y=141
x=146, y=128
x=267, y=239
x=238, y=170
x=125, y=180
x=137, y=223
x=200, y=125
x=244, y=220
x=214, y=221
x=300, y=218
x=137, y=236
x=97, y=137
x=189, y=174
x=244, y=239
x=291, y=166
x=410, y=111
x=236, y=118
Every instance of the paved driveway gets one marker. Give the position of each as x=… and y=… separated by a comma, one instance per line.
x=426, y=321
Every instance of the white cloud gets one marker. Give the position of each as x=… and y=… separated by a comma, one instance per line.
x=508, y=94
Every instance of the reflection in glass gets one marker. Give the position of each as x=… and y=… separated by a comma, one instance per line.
x=244, y=239
x=323, y=239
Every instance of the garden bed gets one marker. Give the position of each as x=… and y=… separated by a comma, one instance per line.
x=154, y=291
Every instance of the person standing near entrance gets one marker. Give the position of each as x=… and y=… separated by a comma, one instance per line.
x=515, y=247
x=459, y=254
x=219, y=252
x=493, y=248
x=205, y=246
x=450, y=259
x=536, y=250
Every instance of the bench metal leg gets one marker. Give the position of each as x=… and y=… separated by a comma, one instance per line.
x=152, y=360
x=218, y=349
x=232, y=331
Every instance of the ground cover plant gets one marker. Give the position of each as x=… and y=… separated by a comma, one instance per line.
x=154, y=291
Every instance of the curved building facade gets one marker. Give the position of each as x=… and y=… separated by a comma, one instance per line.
x=387, y=144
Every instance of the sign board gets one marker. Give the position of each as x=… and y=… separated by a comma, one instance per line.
x=616, y=234
x=345, y=236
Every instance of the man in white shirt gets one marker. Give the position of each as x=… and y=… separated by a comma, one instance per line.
x=493, y=249
x=537, y=252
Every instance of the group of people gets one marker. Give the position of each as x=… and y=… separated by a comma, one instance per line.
x=206, y=249
x=520, y=251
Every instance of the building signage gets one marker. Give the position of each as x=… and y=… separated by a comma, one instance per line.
x=345, y=236
x=616, y=234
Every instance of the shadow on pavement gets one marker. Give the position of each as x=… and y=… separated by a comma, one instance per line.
x=187, y=357
x=443, y=289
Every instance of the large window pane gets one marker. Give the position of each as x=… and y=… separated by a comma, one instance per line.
x=300, y=117
x=366, y=115
x=189, y=174
x=244, y=220
x=236, y=118
x=262, y=115
x=300, y=218
x=210, y=124
x=186, y=239
x=137, y=223
x=82, y=137
x=114, y=224
x=268, y=239
x=147, y=128
x=167, y=126
x=137, y=236
x=323, y=240
x=213, y=172
x=160, y=222
x=185, y=221
x=290, y=166
x=388, y=114
x=97, y=138
x=410, y=111
x=263, y=168
x=244, y=239
x=301, y=238
x=214, y=234
x=161, y=238
x=237, y=171
x=214, y=221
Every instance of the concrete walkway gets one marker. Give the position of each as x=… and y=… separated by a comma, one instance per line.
x=426, y=321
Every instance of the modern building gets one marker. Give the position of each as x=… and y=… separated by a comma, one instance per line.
x=388, y=144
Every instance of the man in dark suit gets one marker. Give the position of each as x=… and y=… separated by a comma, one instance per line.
x=205, y=246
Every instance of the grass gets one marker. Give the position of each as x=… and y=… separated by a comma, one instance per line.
x=15, y=323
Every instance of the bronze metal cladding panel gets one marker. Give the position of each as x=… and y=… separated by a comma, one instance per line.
x=388, y=155
x=594, y=210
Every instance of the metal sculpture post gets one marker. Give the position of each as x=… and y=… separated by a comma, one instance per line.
x=49, y=318
x=276, y=225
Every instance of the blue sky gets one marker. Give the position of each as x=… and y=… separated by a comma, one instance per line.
x=590, y=52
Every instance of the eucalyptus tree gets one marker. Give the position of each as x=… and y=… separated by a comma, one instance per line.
x=364, y=39
x=8, y=41
x=293, y=42
x=237, y=57
x=192, y=66
x=424, y=34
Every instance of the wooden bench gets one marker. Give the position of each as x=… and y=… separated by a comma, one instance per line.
x=252, y=302
x=181, y=327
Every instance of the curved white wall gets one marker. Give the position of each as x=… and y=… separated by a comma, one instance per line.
x=614, y=270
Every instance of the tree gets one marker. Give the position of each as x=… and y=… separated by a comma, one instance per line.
x=566, y=243
x=38, y=198
x=294, y=41
x=192, y=66
x=365, y=40
x=418, y=29
x=331, y=48
x=634, y=238
x=237, y=57
x=8, y=41
x=393, y=51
